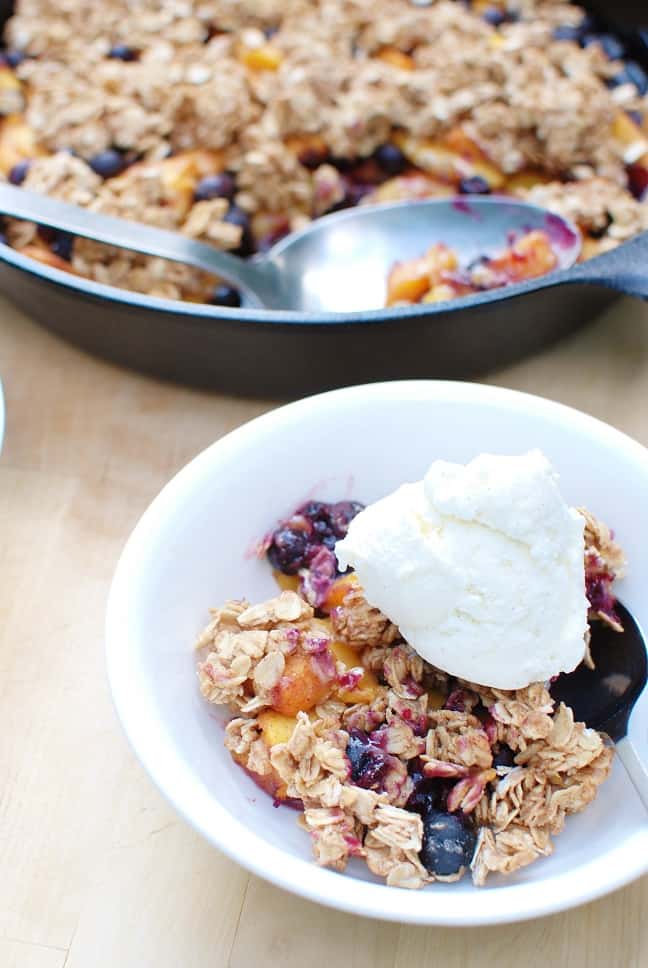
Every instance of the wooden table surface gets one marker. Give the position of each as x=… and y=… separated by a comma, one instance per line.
x=96, y=870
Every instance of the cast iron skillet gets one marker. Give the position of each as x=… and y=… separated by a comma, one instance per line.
x=275, y=354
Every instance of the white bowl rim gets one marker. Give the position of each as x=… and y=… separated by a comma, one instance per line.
x=176, y=781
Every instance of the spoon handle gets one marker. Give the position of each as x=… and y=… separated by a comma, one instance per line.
x=624, y=268
x=19, y=203
x=635, y=768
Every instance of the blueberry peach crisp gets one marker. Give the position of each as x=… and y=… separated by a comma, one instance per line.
x=237, y=121
x=420, y=774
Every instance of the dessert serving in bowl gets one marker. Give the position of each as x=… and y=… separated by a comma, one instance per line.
x=391, y=748
x=237, y=123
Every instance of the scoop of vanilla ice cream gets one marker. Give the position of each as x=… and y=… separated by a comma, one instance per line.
x=480, y=566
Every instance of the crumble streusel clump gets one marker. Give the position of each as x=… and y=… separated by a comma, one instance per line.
x=390, y=758
x=313, y=105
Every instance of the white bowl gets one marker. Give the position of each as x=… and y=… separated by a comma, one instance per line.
x=192, y=549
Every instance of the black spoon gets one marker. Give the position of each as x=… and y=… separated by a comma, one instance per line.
x=604, y=697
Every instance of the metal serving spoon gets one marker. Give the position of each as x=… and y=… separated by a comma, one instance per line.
x=604, y=697
x=338, y=263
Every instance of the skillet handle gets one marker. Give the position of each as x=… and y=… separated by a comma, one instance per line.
x=624, y=269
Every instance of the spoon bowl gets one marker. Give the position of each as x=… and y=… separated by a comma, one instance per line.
x=340, y=262
x=603, y=697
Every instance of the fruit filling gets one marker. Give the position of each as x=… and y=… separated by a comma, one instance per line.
x=238, y=123
x=437, y=276
x=302, y=547
x=421, y=775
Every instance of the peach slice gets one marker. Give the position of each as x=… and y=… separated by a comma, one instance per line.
x=40, y=252
x=275, y=727
x=263, y=58
x=442, y=292
x=462, y=144
x=436, y=699
x=411, y=186
x=440, y=259
x=287, y=583
x=448, y=163
x=207, y=161
x=633, y=137
x=306, y=681
x=530, y=256
x=338, y=590
x=366, y=689
x=17, y=142
x=626, y=130
x=396, y=57
x=527, y=179
x=408, y=281
x=179, y=176
x=271, y=783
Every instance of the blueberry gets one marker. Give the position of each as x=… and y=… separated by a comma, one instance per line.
x=587, y=25
x=599, y=232
x=567, y=32
x=356, y=751
x=14, y=57
x=215, y=186
x=638, y=185
x=367, y=761
x=504, y=756
x=636, y=116
x=474, y=185
x=390, y=158
x=321, y=529
x=494, y=16
x=457, y=701
x=632, y=73
x=342, y=164
x=123, y=52
x=224, y=295
x=236, y=216
x=312, y=158
x=428, y=793
x=316, y=511
x=18, y=173
x=47, y=234
x=342, y=514
x=287, y=551
x=107, y=163
x=611, y=45
x=354, y=193
x=448, y=842
x=62, y=245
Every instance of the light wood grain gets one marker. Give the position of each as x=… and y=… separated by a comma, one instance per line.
x=96, y=870
x=18, y=954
